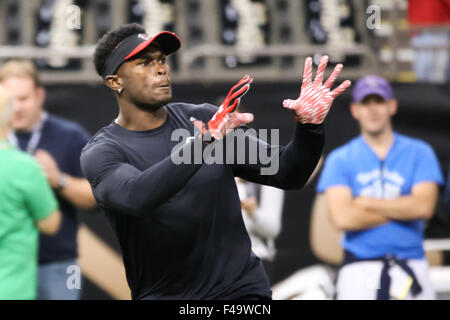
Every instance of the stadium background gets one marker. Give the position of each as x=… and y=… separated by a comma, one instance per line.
x=222, y=40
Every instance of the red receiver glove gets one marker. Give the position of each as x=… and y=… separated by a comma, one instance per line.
x=315, y=98
x=225, y=119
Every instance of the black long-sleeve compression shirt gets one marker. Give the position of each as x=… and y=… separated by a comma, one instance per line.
x=180, y=225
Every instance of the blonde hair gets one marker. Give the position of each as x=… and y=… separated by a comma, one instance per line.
x=20, y=68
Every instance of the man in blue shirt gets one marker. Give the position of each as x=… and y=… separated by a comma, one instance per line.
x=379, y=189
x=56, y=144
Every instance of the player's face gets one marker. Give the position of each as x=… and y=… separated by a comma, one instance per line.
x=374, y=114
x=27, y=99
x=146, y=79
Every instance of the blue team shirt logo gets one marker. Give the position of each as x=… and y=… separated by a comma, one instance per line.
x=380, y=183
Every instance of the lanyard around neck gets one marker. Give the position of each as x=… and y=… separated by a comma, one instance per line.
x=35, y=135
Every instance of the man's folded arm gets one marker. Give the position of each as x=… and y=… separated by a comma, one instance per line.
x=345, y=214
x=419, y=204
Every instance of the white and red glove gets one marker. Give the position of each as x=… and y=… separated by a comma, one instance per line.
x=225, y=119
x=315, y=98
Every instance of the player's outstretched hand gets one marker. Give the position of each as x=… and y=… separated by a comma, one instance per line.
x=315, y=98
x=225, y=119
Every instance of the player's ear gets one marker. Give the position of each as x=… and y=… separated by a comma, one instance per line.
x=393, y=106
x=113, y=82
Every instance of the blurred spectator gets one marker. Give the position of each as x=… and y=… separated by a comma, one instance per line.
x=262, y=207
x=56, y=144
x=27, y=205
x=379, y=189
x=432, y=51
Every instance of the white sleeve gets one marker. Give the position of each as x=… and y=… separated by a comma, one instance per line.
x=267, y=217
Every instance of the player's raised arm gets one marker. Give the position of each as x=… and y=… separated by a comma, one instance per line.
x=120, y=186
x=298, y=159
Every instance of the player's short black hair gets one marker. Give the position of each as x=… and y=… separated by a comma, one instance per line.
x=111, y=40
